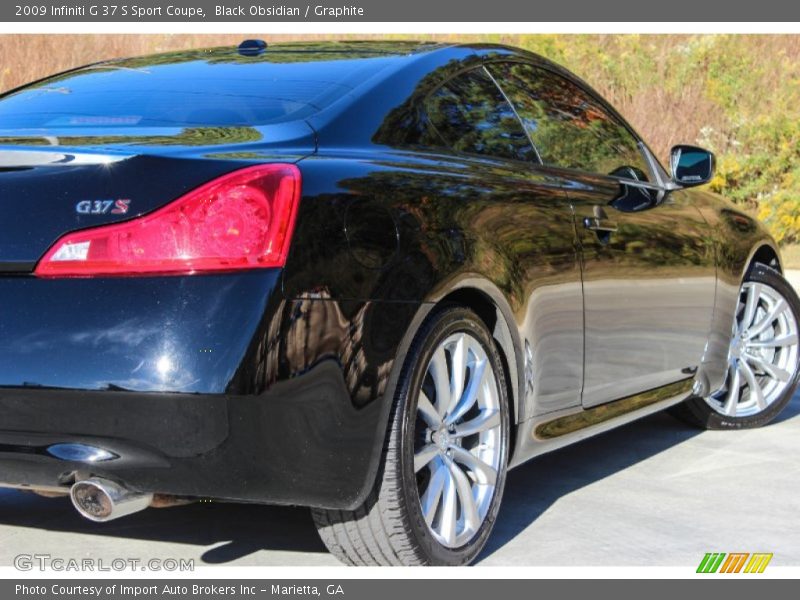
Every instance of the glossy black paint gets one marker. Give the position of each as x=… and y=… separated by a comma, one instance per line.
x=205, y=386
x=648, y=287
x=275, y=385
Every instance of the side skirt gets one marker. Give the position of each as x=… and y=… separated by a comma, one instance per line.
x=546, y=433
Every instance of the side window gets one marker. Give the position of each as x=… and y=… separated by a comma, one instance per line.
x=568, y=127
x=471, y=115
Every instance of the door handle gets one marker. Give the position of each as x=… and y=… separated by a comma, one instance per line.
x=600, y=224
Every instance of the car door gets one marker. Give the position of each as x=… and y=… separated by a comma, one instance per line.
x=647, y=257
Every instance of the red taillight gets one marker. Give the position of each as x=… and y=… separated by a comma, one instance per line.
x=242, y=220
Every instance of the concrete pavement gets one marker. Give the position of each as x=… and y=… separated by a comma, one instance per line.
x=793, y=277
x=655, y=492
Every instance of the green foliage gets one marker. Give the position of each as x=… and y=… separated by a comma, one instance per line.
x=737, y=95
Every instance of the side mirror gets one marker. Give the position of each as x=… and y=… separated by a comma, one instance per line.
x=691, y=165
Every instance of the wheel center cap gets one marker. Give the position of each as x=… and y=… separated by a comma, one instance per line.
x=738, y=347
x=442, y=439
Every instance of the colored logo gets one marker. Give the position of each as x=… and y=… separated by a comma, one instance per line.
x=735, y=562
x=102, y=207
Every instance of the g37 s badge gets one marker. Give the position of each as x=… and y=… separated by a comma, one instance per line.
x=102, y=207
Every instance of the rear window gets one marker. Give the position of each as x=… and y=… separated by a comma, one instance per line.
x=196, y=93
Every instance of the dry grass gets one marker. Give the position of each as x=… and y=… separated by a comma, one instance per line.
x=790, y=254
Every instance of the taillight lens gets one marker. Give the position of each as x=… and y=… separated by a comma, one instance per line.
x=242, y=220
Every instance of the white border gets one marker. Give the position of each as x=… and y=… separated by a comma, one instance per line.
x=343, y=573
x=394, y=28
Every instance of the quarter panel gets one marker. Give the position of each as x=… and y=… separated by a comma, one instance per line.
x=457, y=219
x=736, y=237
x=149, y=334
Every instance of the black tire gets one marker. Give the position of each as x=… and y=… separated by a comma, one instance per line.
x=389, y=528
x=697, y=412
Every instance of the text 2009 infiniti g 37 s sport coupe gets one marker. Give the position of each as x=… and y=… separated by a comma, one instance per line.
x=366, y=278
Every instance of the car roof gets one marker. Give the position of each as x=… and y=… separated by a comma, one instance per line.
x=285, y=52
x=318, y=83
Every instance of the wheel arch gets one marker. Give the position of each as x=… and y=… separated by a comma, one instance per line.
x=488, y=302
x=744, y=254
x=764, y=253
x=506, y=339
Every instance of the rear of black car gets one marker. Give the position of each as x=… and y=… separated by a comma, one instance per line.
x=147, y=208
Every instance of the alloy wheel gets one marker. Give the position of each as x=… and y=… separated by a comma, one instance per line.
x=763, y=354
x=458, y=440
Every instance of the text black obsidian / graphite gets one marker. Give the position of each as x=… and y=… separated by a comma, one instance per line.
x=280, y=10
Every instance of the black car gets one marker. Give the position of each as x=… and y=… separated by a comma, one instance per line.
x=366, y=278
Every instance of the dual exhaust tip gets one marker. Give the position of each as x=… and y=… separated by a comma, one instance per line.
x=103, y=500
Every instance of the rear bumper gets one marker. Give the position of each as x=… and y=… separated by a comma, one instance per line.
x=300, y=443
x=210, y=386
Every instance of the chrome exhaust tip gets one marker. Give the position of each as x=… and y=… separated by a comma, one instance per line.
x=103, y=500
